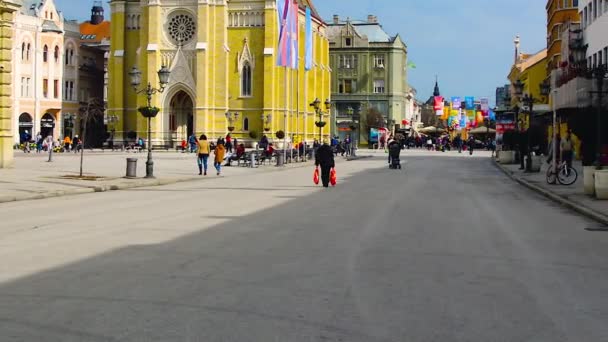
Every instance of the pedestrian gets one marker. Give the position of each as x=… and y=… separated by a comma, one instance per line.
x=228, y=143
x=202, y=152
x=39, y=142
x=567, y=149
x=523, y=146
x=66, y=143
x=25, y=140
x=76, y=144
x=192, y=142
x=325, y=159
x=220, y=152
x=263, y=144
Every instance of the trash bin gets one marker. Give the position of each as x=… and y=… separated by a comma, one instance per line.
x=280, y=159
x=131, y=167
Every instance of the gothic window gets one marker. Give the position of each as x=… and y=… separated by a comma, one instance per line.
x=245, y=124
x=138, y=22
x=45, y=54
x=23, y=51
x=29, y=48
x=181, y=28
x=246, y=80
x=56, y=54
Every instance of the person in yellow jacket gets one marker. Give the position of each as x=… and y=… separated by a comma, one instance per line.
x=67, y=142
x=203, y=150
x=220, y=152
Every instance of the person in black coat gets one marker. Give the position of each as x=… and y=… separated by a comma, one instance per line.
x=325, y=158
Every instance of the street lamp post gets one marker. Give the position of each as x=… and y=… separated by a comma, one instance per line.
x=149, y=112
x=266, y=120
x=232, y=118
x=529, y=101
x=316, y=104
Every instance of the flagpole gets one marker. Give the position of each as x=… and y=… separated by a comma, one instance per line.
x=298, y=108
x=285, y=114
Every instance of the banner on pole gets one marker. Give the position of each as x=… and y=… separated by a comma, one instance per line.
x=456, y=102
x=438, y=104
x=469, y=102
x=309, y=42
x=485, y=106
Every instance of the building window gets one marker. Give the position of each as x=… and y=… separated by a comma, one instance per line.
x=246, y=80
x=45, y=54
x=27, y=86
x=56, y=54
x=45, y=88
x=347, y=86
x=606, y=55
x=600, y=58
x=22, y=86
x=56, y=89
x=575, y=3
x=347, y=61
x=23, y=51
x=245, y=124
x=348, y=41
x=379, y=61
x=378, y=86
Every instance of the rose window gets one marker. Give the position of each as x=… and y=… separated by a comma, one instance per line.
x=182, y=28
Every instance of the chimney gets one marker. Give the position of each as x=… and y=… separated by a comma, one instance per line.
x=97, y=13
x=336, y=19
x=372, y=19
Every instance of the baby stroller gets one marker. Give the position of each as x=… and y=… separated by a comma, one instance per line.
x=394, y=150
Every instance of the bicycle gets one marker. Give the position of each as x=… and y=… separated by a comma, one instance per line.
x=565, y=175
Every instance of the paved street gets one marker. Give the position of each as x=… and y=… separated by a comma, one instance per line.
x=448, y=249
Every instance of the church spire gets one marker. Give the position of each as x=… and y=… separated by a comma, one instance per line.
x=436, y=91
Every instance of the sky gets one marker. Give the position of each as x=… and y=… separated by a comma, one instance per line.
x=467, y=44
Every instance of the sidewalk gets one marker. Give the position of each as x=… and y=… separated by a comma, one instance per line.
x=570, y=196
x=33, y=177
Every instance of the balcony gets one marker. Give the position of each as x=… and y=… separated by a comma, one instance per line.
x=573, y=86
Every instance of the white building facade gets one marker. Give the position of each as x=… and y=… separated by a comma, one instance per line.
x=594, y=19
x=38, y=69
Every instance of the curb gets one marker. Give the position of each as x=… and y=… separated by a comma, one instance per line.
x=590, y=213
x=136, y=183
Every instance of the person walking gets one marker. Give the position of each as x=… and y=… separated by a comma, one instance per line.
x=325, y=159
x=66, y=143
x=25, y=140
x=228, y=143
x=193, y=143
x=202, y=152
x=523, y=146
x=39, y=141
x=220, y=152
x=566, y=147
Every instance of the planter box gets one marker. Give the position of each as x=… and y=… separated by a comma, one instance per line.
x=589, y=180
x=601, y=184
x=536, y=163
x=506, y=157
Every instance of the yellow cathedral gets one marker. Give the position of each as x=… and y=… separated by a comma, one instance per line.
x=222, y=57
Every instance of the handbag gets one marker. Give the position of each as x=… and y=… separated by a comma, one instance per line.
x=315, y=177
x=333, y=178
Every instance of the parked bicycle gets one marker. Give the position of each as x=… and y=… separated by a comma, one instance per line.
x=565, y=175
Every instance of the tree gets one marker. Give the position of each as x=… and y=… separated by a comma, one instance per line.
x=374, y=119
x=88, y=112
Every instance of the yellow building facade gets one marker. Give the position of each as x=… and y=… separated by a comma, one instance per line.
x=559, y=12
x=222, y=57
x=7, y=20
x=531, y=70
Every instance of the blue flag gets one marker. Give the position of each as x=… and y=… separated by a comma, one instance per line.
x=309, y=43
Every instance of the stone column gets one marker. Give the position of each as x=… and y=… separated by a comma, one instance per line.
x=7, y=15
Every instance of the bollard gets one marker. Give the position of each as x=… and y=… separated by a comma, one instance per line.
x=280, y=159
x=131, y=168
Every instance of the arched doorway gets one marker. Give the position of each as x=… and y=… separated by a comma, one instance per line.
x=47, y=124
x=26, y=123
x=181, y=118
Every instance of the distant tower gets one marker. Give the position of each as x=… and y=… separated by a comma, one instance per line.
x=517, y=43
x=436, y=91
x=97, y=13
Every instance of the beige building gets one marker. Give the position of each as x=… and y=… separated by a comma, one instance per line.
x=38, y=65
x=7, y=15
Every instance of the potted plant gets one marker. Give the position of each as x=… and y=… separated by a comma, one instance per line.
x=266, y=129
x=507, y=154
x=230, y=128
x=320, y=124
x=280, y=144
x=149, y=112
x=253, y=135
x=280, y=134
